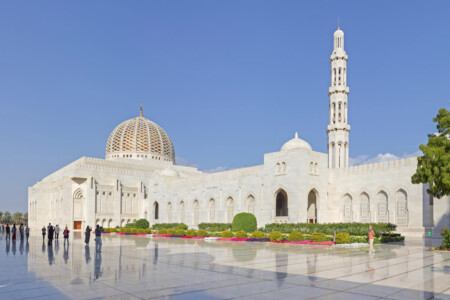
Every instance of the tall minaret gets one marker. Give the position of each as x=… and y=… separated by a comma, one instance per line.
x=338, y=129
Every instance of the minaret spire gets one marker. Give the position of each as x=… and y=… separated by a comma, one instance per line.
x=140, y=111
x=338, y=128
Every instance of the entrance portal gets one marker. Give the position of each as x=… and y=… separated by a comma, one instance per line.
x=76, y=225
x=281, y=206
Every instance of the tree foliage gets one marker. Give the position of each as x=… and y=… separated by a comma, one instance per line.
x=433, y=166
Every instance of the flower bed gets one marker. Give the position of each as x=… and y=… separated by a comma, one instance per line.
x=307, y=242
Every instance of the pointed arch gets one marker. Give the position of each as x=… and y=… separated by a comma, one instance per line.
x=281, y=203
x=364, y=211
x=212, y=210
x=181, y=212
x=312, y=206
x=156, y=211
x=196, y=212
x=383, y=207
x=230, y=209
x=169, y=212
x=251, y=203
x=347, y=211
x=401, y=207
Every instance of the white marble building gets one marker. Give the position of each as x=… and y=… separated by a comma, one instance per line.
x=139, y=179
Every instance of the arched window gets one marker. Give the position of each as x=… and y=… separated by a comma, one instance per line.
x=156, y=210
x=212, y=210
x=283, y=168
x=402, y=208
x=277, y=169
x=196, y=212
x=347, y=209
x=312, y=207
x=365, y=208
x=281, y=204
x=169, y=212
x=230, y=210
x=251, y=204
x=383, y=212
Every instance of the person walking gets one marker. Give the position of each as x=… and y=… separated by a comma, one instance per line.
x=98, y=239
x=27, y=232
x=371, y=238
x=21, y=231
x=8, y=232
x=87, y=234
x=66, y=236
x=13, y=230
x=57, y=231
x=51, y=231
x=43, y=232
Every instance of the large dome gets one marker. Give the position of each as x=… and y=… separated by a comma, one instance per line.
x=142, y=139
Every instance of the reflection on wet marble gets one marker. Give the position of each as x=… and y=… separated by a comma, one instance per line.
x=142, y=268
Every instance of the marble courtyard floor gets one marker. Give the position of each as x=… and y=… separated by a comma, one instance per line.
x=142, y=268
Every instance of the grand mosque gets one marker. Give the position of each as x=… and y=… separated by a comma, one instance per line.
x=139, y=179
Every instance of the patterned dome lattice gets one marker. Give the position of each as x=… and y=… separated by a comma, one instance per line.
x=140, y=138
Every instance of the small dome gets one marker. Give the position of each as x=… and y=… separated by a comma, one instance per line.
x=296, y=143
x=171, y=172
x=141, y=139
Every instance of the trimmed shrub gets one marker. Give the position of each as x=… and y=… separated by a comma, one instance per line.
x=162, y=231
x=227, y=234
x=241, y=234
x=391, y=238
x=354, y=229
x=191, y=232
x=214, y=226
x=317, y=237
x=202, y=233
x=142, y=223
x=141, y=230
x=171, y=231
x=245, y=222
x=296, y=236
x=275, y=236
x=170, y=226
x=133, y=230
x=130, y=225
x=125, y=230
x=258, y=235
x=180, y=232
x=342, y=238
x=147, y=231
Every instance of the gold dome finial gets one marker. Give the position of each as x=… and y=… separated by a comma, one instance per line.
x=140, y=111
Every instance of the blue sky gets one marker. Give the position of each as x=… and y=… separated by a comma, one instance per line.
x=227, y=80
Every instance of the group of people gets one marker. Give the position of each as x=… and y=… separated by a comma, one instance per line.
x=11, y=231
x=98, y=237
x=54, y=232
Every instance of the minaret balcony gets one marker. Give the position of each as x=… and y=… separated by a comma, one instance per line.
x=338, y=89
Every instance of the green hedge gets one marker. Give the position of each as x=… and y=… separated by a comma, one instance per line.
x=214, y=226
x=202, y=233
x=389, y=238
x=245, y=222
x=170, y=226
x=360, y=229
